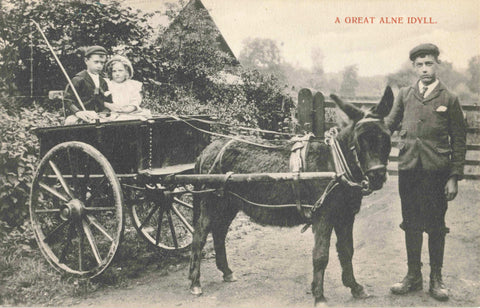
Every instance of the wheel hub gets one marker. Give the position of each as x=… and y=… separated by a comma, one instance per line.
x=72, y=210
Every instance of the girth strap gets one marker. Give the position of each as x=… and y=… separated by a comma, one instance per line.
x=298, y=163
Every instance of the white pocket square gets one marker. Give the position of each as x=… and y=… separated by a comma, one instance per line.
x=441, y=109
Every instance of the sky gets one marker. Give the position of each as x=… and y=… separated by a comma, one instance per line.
x=359, y=36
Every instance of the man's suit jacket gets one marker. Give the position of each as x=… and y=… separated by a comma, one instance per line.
x=432, y=130
x=91, y=99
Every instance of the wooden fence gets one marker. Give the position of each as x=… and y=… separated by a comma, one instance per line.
x=311, y=111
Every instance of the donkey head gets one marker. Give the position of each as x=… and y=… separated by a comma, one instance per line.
x=366, y=140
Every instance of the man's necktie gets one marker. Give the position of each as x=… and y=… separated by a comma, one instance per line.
x=424, y=90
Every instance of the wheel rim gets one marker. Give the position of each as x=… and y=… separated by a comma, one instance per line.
x=76, y=209
x=166, y=224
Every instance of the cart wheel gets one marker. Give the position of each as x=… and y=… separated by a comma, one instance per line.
x=76, y=209
x=166, y=223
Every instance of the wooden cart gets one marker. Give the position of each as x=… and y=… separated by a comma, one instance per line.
x=88, y=172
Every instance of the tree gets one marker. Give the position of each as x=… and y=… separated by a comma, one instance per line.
x=263, y=55
x=404, y=77
x=67, y=25
x=349, y=82
x=449, y=76
x=474, y=71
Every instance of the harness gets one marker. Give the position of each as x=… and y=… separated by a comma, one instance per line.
x=298, y=164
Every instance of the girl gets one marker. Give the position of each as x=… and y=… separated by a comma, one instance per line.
x=126, y=93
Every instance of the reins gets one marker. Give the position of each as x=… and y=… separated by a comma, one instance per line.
x=343, y=172
x=267, y=146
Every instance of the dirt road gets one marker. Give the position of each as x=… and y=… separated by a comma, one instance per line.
x=274, y=268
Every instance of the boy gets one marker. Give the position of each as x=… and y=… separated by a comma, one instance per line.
x=431, y=159
x=91, y=88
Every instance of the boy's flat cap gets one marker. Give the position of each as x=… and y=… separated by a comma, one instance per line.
x=95, y=50
x=424, y=49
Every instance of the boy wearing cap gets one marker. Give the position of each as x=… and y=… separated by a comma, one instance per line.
x=90, y=86
x=430, y=162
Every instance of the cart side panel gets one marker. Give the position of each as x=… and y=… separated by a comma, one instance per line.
x=131, y=146
x=118, y=143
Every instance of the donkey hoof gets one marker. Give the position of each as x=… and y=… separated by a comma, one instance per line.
x=229, y=278
x=320, y=302
x=360, y=293
x=196, y=291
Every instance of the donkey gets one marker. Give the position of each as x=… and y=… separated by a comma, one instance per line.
x=365, y=144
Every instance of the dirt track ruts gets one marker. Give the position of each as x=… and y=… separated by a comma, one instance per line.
x=274, y=269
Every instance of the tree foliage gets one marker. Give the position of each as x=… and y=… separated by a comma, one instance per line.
x=18, y=158
x=68, y=25
x=349, y=82
x=263, y=55
x=269, y=98
x=474, y=72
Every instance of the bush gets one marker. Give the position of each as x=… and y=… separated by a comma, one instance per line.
x=18, y=158
x=269, y=98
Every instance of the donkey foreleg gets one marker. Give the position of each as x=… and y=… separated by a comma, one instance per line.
x=202, y=228
x=344, y=232
x=323, y=231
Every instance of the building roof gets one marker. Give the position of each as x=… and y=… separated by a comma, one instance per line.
x=198, y=6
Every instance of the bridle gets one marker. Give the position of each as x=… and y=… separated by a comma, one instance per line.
x=342, y=168
x=344, y=174
x=356, y=146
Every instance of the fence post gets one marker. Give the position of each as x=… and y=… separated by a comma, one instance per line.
x=304, y=110
x=318, y=114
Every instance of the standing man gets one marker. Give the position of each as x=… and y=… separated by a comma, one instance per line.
x=431, y=158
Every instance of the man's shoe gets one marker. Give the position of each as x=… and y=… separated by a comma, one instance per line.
x=437, y=288
x=411, y=282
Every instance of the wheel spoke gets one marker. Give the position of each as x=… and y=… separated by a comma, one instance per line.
x=54, y=231
x=149, y=216
x=53, y=192
x=60, y=178
x=91, y=241
x=81, y=253
x=181, y=202
x=182, y=219
x=159, y=226
x=73, y=166
x=40, y=211
x=68, y=243
x=86, y=179
x=92, y=220
x=100, y=208
x=172, y=229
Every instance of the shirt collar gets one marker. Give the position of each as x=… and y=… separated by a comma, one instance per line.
x=430, y=87
x=95, y=78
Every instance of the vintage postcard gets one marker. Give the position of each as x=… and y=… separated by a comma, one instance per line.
x=249, y=153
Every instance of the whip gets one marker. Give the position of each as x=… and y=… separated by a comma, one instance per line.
x=60, y=64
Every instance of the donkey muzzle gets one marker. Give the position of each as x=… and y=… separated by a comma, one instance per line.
x=377, y=175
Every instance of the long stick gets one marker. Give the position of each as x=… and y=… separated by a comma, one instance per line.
x=60, y=64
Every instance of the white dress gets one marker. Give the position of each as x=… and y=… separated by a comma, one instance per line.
x=126, y=93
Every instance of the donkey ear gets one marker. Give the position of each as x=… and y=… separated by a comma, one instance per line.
x=352, y=112
x=383, y=108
